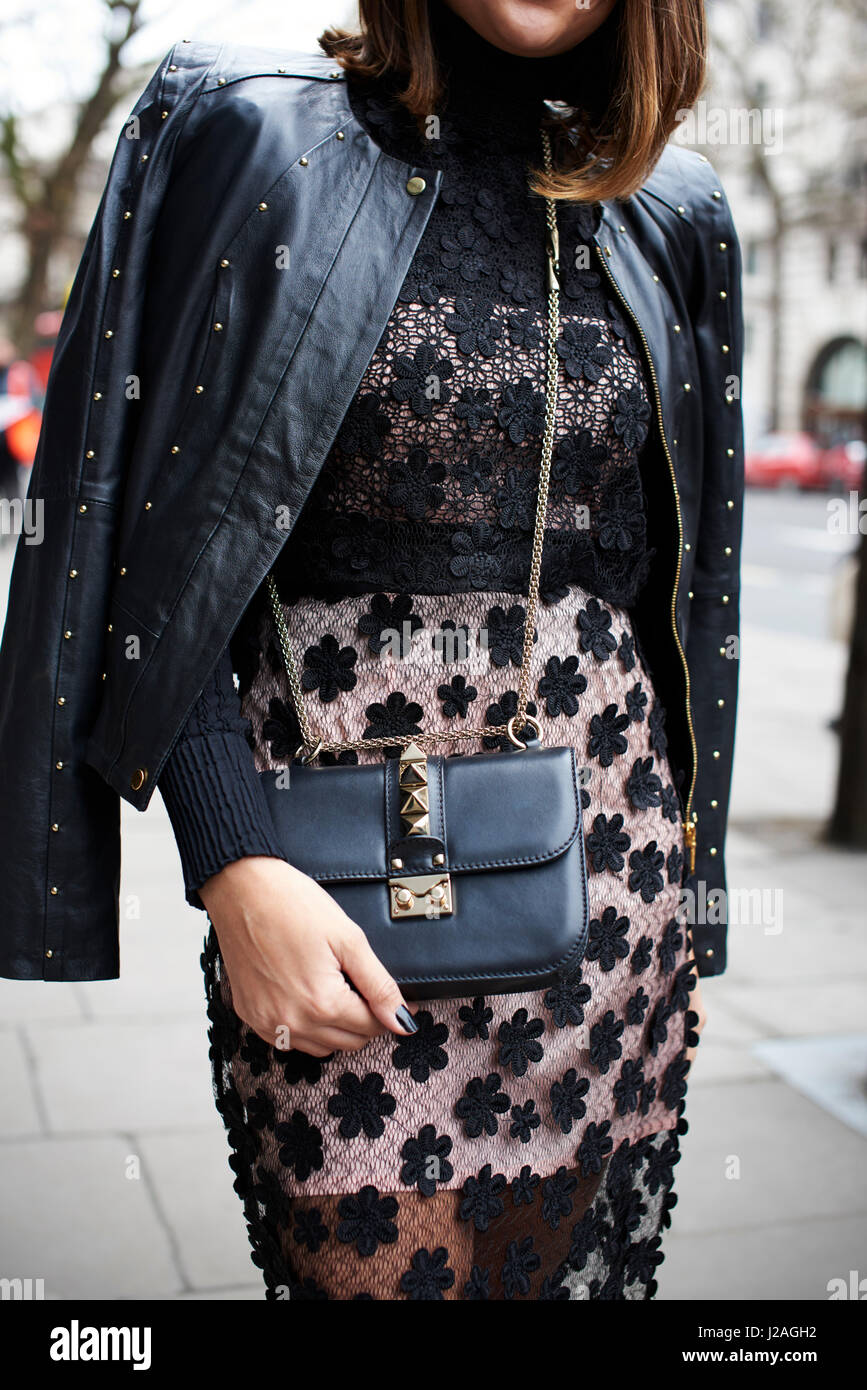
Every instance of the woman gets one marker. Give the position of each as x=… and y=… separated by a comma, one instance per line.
x=501, y=1146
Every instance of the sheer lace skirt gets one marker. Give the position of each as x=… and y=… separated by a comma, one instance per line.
x=517, y=1146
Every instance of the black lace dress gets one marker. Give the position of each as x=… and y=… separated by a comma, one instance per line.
x=518, y=1146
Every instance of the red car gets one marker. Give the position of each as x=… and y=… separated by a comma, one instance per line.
x=785, y=459
x=843, y=466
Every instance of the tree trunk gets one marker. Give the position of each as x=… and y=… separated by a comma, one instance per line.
x=849, y=820
x=35, y=294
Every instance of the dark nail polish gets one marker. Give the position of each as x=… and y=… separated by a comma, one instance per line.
x=406, y=1020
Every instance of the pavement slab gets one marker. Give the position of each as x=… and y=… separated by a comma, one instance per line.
x=792, y=1261
x=70, y=1215
x=760, y=1152
x=190, y=1175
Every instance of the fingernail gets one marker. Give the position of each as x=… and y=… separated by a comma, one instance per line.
x=406, y=1020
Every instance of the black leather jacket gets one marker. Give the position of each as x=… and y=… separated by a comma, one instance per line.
x=195, y=392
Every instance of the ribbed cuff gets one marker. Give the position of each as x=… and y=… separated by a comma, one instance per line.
x=216, y=805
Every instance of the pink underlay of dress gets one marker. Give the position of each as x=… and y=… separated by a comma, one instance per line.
x=496, y=1094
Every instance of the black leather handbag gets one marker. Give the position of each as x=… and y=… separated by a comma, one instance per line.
x=467, y=874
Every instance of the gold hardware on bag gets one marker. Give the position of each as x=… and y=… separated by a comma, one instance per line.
x=528, y=719
x=412, y=779
x=418, y=895
x=421, y=895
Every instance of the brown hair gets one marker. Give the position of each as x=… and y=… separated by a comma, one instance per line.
x=657, y=68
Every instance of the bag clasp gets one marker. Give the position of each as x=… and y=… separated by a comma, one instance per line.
x=421, y=895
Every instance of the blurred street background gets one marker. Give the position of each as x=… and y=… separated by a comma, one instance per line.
x=114, y=1179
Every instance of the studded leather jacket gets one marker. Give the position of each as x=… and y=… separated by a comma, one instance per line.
x=192, y=402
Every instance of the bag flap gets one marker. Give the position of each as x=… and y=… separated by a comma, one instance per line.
x=490, y=811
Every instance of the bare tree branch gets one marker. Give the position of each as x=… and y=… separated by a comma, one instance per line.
x=45, y=196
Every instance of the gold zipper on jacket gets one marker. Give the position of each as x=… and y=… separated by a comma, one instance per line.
x=689, y=816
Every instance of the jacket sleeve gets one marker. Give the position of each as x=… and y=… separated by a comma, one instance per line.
x=211, y=787
x=59, y=821
x=712, y=648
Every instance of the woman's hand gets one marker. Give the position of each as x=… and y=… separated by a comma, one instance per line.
x=285, y=943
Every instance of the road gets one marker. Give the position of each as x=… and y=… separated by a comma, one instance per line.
x=790, y=561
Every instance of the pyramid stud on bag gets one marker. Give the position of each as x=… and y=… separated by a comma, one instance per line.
x=413, y=767
x=412, y=779
x=413, y=775
x=416, y=802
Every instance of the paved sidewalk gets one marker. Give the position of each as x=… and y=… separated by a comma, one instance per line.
x=772, y=1200
x=115, y=1181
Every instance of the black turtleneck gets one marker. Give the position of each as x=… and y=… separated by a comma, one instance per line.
x=580, y=78
x=430, y=485
x=492, y=92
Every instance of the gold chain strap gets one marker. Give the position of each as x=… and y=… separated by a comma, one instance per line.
x=313, y=746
